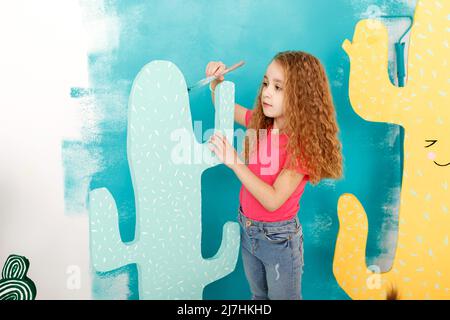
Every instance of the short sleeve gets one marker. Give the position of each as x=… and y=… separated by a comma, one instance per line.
x=248, y=115
x=300, y=169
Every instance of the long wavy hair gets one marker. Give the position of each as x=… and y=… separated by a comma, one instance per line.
x=310, y=118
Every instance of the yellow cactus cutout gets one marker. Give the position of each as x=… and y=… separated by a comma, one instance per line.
x=422, y=259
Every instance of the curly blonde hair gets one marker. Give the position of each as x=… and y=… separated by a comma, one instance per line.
x=310, y=118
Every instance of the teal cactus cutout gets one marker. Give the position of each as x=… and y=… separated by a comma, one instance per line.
x=14, y=284
x=167, y=245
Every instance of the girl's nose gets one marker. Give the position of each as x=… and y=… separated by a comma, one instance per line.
x=267, y=93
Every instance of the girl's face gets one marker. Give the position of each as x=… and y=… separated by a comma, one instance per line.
x=273, y=91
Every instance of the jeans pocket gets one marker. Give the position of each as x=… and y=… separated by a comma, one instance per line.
x=278, y=237
x=281, y=234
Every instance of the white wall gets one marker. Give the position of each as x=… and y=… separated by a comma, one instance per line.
x=42, y=55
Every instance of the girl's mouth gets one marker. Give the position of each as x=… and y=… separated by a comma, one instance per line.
x=267, y=105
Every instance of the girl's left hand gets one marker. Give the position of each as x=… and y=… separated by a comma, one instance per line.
x=224, y=150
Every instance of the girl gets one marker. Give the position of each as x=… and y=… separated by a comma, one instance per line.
x=295, y=120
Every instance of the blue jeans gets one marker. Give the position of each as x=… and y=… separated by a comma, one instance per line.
x=272, y=254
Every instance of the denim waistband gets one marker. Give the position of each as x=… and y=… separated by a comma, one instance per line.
x=262, y=224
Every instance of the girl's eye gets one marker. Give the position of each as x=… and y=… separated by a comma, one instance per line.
x=278, y=88
x=264, y=84
x=430, y=141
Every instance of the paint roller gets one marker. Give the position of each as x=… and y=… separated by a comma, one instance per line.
x=400, y=50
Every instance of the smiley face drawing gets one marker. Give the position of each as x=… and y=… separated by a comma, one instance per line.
x=432, y=155
x=421, y=266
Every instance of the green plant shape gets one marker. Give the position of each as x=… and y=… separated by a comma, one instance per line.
x=167, y=244
x=15, y=285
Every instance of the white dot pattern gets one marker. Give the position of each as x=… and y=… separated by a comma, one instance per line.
x=167, y=248
x=422, y=260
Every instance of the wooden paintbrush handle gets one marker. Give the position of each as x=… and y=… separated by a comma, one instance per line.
x=233, y=67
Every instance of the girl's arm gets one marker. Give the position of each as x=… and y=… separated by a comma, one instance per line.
x=270, y=197
x=239, y=114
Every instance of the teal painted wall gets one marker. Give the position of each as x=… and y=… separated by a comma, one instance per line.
x=191, y=33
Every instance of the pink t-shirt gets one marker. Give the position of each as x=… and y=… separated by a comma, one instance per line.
x=267, y=168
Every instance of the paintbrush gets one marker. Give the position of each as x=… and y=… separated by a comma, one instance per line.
x=207, y=80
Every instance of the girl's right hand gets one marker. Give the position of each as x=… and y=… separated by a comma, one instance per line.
x=214, y=68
